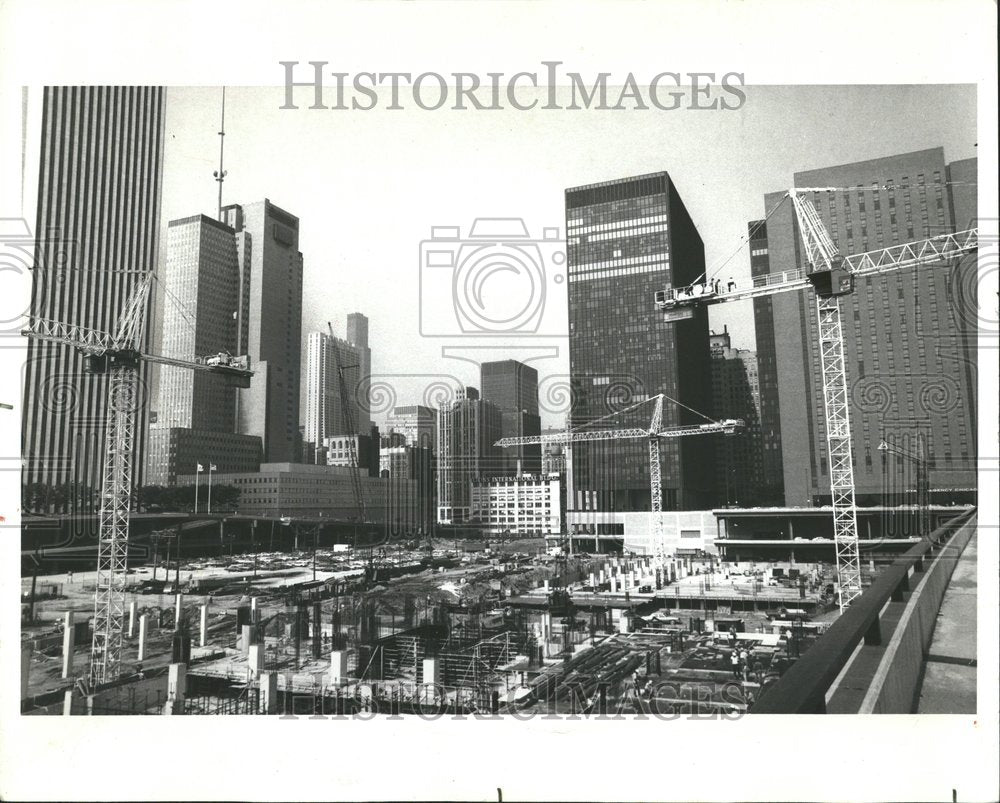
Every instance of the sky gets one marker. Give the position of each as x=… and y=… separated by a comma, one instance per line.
x=368, y=186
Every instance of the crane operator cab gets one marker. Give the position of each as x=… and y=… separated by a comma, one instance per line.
x=837, y=280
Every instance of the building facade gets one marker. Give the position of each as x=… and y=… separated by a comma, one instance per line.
x=523, y=505
x=417, y=423
x=339, y=448
x=513, y=387
x=195, y=411
x=299, y=490
x=627, y=239
x=468, y=428
x=772, y=485
x=96, y=216
x=272, y=305
x=909, y=335
x=325, y=414
x=177, y=451
x=736, y=394
x=410, y=472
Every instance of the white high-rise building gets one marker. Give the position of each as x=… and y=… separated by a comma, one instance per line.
x=324, y=354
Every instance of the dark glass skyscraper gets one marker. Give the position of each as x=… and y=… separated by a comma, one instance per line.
x=771, y=486
x=626, y=239
x=513, y=387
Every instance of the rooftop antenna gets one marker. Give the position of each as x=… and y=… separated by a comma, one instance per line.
x=220, y=174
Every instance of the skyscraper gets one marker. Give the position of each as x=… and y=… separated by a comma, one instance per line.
x=513, y=387
x=772, y=486
x=909, y=335
x=468, y=428
x=99, y=183
x=736, y=394
x=626, y=239
x=195, y=410
x=269, y=408
x=325, y=416
x=357, y=336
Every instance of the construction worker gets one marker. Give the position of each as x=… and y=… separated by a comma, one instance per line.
x=731, y=285
x=734, y=660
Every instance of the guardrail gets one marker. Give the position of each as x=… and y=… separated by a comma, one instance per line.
x=802, y=689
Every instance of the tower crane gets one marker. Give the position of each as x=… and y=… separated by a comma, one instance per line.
x=653, y=434
x=830, y=275
x=120, y=356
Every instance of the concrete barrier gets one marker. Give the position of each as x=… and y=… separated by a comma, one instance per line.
x=894, y=687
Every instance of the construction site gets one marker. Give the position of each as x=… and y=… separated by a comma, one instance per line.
x=446, y=628
x=470, y=632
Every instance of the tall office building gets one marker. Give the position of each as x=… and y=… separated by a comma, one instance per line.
x=410, y=473
x=627, y=239
x=468, y=428
x=204, y=280
x=99, y=182
x=771, y=490
x=739, y=458
x=269, y=408
x=357, y=336
x=909, y=335
x=513, y=387
x=418, y=424
x=325, y=415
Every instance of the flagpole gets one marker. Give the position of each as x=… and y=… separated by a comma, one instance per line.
x=197, y=472
x=210, y=467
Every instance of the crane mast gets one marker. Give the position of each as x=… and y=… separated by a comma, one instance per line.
x=654, y=433
x=120, y=357
x=830, y=276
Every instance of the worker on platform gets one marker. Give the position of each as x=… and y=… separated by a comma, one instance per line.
x=731, y=286
x=734, y=660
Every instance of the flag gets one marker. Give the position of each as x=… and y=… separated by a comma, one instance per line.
x=213, y=467
x=200, y=468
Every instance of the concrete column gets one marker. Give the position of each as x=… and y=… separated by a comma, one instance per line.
x=546, y=626
x=432, y=670
x=253, y=608
x=269, y=692
x=26, y=650
x=338, y=667
x=255, y=658
x=68, y=703
x=593, y=580
x=143, y=625
x=131, y=619
x=614, y=585
x=545, y=586
x=178, y=610
x=67, y=667
x=600, y=576
x=245, y=639
x=204, y=624
x=176, y=689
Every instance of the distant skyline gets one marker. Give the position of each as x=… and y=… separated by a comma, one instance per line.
x=369, y=186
